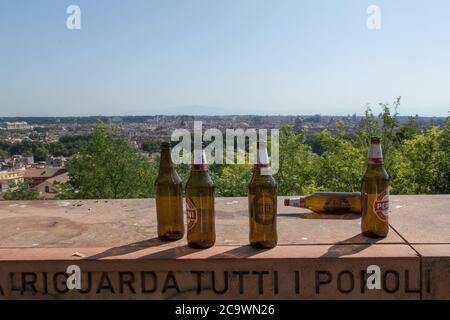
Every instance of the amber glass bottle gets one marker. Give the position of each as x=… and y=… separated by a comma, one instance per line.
x=200, y=206
x=375, y=194
x=328, y=202
x=168, y=196
x=262, y=204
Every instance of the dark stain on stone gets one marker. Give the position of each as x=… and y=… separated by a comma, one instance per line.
x=52, y=224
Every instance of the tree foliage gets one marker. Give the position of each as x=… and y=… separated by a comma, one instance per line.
x=36, y=148
x=297, y=164
x=20, y=191
x=106, y=167
x=422, y=164
x=67, y=145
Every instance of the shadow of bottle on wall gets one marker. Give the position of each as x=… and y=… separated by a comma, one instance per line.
x=350, y=246
x=171, y=253
x=127, y=248
x=241, y=252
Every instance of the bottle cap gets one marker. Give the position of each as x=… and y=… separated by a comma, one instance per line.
x=295, y=202
x=375, y=139
x=375, y=153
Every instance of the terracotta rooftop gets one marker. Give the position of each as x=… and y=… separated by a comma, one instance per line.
x=42, y=173
x=60, y=178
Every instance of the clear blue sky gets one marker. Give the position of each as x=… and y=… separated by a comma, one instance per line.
x=223, y=57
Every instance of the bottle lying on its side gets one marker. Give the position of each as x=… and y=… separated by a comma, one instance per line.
x=328, y=202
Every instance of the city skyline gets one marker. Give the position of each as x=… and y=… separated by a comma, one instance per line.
x=223, y=58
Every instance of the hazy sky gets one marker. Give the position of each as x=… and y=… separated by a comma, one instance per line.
x=223, y=57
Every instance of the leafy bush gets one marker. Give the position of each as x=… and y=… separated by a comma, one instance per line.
x=106, y=167
x=20, y=191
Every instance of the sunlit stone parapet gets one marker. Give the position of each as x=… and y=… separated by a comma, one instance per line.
x=114, y=244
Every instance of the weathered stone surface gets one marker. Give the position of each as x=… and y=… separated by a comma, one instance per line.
x=435, y=270
x=421, y=219
x=120, y=222
x=221, y=272
x=319, y=257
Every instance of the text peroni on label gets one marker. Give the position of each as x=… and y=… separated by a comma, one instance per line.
x=191, y=213
x=381, y=205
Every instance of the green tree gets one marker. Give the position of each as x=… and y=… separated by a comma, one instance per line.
x=232, y=180
x=58, y=149
x=151, y=146
x=341, y=166
x=422, y=164
x=30, y=147
x=40, y=153
x=20, y=191
x=3, y=154
x=408, y=130
x=106, y=167
x=67, y=145
x=297, y=164
x=385, y=125
x=5, y=148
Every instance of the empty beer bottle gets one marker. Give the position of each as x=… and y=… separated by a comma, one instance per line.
x=200, y=206
x=328, y=202
x=262, y=204
x=168, y=194
x=375, y=194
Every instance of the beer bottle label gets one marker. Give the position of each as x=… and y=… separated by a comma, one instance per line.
x=200, y=167
x=337, y=205
x=381, y=205
x=264, y=208
x=191, y=213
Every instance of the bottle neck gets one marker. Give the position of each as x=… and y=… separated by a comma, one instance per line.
x=258, y=166
x=166, y=160
x=301, y=202
x=202, y=165
x=295, y=202
x=198, y=177
x=262, y=159
x=375, y=155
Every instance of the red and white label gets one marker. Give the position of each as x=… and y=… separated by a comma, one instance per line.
x=381, y=205
x=376, y=160
x=191, y=213
x=200, y=167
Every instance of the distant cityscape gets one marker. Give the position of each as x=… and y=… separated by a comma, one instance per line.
x=46, y=170
x=139, y=129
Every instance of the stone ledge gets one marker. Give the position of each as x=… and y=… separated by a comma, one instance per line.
x=114, y=244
